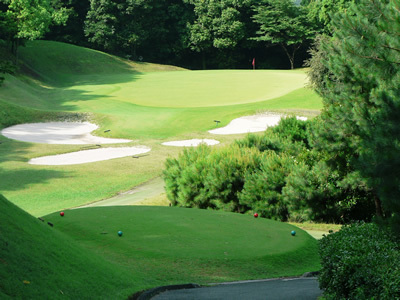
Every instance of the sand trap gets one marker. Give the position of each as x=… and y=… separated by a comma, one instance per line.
x=87, y=156
x=58, y=133
x=248, y=124
x=191, y=143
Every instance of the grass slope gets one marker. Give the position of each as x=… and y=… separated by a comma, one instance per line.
x=169, y=245
x=62, y=81
x=39, y=262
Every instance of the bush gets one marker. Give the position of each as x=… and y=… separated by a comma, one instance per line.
x=361, y=261
x=290, y=136
x=277, y=174
x=206, y=177
x=262, y=190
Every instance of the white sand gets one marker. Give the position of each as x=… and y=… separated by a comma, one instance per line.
x=79, y=133
x=191, y=143
x=58, y=133
x=87, y=156
x=248, y=124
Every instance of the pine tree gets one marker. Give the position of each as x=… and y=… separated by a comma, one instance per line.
x=361, y=118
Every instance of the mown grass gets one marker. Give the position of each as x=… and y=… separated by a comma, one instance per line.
x=168, y=245
x=82, y=256
x=47, y=91
x=39, y=262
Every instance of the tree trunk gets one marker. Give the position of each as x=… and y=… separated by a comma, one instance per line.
x=378, y=207
x=290, y=56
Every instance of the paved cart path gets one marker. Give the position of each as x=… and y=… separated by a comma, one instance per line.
x=275, y=289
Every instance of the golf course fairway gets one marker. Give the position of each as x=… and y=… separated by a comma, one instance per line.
x=148, y=104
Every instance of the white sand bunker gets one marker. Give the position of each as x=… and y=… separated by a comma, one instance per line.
x=88, y=156
x=58, y=133
x=191, y=143
x=248, y=124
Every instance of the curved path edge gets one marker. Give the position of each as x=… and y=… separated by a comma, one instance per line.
x=304, y=287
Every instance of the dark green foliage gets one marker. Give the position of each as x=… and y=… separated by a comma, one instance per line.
x=362, y=107
x=361, y=261
x=321, y=12
x=277, y=174
x=317, y=70
x=290, y=136
x=184, y=178
x=210, y=178
x=189, y=33
x=262, y=190
x=293, y=129
x=283, y=23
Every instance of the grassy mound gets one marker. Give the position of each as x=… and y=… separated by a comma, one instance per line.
x=168, y=245
x=39, y=262
x=65, y=64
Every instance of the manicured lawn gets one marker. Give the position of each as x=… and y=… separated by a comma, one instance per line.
x=144, y=102
x=82, y=256
x=175, y=245
x=39, y=262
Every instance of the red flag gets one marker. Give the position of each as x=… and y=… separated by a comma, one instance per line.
x=254, y=63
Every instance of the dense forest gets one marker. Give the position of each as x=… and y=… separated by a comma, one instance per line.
x=195, y=34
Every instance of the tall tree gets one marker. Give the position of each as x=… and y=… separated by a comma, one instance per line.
x=29, y=20
x=73, y=31
x=361, y=115
x=137, y=27
x=33, y=18
x=217, y=25
x=283, y=23
x=321, y=11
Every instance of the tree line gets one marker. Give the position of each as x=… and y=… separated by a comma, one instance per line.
x=191, y=33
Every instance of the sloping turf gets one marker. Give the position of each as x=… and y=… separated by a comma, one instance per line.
x=39, y=262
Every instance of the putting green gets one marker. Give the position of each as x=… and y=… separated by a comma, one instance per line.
x=197, y=88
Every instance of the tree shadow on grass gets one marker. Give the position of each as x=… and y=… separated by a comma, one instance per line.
x=13, y=179
x=39, y=94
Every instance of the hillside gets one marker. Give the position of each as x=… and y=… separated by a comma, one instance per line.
x=39, y=262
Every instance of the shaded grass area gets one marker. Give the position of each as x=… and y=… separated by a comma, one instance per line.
x=39, y=262
x=169, y=245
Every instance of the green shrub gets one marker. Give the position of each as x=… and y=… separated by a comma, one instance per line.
x=206, y=177
x=293, y=129
x=277, y=174
x=262, y=190
x=361, y=261
x=184, y=177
